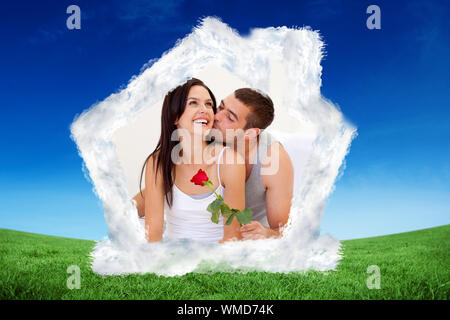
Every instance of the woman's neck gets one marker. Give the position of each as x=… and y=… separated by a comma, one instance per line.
x=193, y=151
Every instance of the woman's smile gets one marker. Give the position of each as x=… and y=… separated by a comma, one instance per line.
x=202, y=121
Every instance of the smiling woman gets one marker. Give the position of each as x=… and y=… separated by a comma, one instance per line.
x=188, y=108
x=180, y=111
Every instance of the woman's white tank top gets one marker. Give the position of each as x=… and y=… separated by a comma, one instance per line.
x=188, y=217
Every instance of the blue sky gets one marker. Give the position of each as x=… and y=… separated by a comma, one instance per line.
x=391, y=83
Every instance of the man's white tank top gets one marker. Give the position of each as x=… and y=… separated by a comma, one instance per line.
x=188, y=217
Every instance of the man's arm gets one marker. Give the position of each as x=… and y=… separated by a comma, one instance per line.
x=279, y=184
x=279, y=188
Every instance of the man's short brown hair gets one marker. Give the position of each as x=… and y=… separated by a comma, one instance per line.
x=261, y=107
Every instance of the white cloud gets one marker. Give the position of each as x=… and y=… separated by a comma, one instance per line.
x=296, y=93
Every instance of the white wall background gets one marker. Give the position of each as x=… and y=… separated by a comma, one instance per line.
x=136, y=140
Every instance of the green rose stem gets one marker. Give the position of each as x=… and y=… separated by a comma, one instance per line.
x=209, y=184
x=219, y=206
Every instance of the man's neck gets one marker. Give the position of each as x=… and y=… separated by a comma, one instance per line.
x=250, y=148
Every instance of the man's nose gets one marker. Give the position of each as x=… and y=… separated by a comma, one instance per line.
x=217, y=116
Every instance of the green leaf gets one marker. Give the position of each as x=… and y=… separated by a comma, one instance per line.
x=230, y=219
x=234, y=212
x=215, y=217
x=214, y=206
x=244, y=216
x=225, y=209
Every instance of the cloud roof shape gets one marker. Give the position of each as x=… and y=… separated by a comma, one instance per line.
x=283, y=62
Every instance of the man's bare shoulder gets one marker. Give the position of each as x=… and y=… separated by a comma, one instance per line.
x=277, y=165
x=276, y=152
x=232, y=157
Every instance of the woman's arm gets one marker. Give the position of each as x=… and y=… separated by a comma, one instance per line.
x=154, y=202
x=139, y=199
x=233, y=179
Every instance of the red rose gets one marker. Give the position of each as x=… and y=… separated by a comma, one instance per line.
x=200, y=177
x=218, y=206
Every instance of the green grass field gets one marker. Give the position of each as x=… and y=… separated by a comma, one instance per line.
x=413, y=265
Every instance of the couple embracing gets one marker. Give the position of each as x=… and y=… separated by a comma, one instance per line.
x=247, y=167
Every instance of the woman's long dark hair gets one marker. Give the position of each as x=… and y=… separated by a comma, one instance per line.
x=172, y=109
